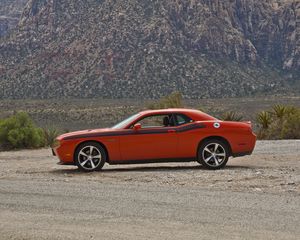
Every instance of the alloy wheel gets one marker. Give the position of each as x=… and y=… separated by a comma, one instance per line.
x=89, y=157
x=214, y=154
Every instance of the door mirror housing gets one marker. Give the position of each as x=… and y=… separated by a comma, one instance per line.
x=137, y=126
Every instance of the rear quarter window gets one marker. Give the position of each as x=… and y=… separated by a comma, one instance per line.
x=182, y=119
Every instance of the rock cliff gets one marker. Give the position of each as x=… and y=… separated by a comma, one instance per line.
x=148, y=48
x=10, y=12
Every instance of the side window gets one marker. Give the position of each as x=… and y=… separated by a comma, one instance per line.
x=182, y=119
x=161, y=120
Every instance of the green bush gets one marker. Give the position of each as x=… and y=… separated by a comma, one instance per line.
x=281, y=122
x=174, y=100
x=19, y=131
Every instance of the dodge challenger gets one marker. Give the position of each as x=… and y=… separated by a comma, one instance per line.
x=152, y=136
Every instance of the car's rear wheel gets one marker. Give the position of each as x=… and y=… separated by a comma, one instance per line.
x=90, y=156
x=213, y=154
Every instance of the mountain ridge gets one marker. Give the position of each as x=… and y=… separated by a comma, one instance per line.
x=206, y=48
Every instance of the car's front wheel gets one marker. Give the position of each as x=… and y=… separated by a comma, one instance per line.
x=90, y=156
x=213, y=154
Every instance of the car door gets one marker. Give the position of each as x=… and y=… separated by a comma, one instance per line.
x=154, y=140
x=188, y=134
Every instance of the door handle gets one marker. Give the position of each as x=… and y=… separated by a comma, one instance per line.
x=171, y=131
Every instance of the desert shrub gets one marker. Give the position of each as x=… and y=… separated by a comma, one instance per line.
x=291, y=126
x=264, y=119
x=203, y=109
x=174, y=100
x=281, y=122
x=19, y=131
x=231, y=116
x=279, y=111
x=50, y=135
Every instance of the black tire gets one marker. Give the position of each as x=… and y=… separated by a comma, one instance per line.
x=90, y=156
x=213, y=154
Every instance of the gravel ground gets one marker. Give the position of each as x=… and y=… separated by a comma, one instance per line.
x=254, y=197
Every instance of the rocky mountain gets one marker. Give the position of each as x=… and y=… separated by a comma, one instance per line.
x=10, y=13
x=149, y=48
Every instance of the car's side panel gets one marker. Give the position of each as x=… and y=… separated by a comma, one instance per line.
x=148, y=144
x=241, y=141
x=239, y=135
x=239, y=138
x=67, y=148
x=65, y=151
x=188, y=142
x=112, y=144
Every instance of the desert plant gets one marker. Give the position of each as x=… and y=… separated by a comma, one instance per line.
x=203, y=109
x=282, y=122
x=279, y=111
x=174, y=100
x=291, y=126
x=50, y=135
x=290, y=110
x=19, y=131
x=264, y=119
x=232, y=116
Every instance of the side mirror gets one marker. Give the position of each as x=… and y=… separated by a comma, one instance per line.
x=137, y=126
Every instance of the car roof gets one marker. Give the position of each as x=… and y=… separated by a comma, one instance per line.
x=169, y=110
x=193, y=113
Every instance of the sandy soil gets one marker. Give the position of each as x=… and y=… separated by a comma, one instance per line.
x=273, y=167
x=254, y=197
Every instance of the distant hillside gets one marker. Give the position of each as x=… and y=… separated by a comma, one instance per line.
x=10, y=12
x=142, y=48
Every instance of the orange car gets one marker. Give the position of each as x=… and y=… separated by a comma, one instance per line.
x=152, y=136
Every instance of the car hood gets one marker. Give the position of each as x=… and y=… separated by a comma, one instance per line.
x=84, y=132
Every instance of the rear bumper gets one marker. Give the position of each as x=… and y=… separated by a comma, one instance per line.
x=241, y=154
x=53, y=153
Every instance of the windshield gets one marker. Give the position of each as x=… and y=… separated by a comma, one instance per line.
x=125, y=122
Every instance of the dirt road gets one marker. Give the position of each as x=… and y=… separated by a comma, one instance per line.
x=255, y=197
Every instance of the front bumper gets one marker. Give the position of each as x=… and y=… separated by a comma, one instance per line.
x=64, y=154
x=65, y=163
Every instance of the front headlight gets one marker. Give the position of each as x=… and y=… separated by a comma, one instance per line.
x=55, y=144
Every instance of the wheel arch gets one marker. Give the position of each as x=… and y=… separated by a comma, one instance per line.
x=94, y=141
x=217, y=138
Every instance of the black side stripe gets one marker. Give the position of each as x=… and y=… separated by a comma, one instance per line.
x=140, y=132
x=190, y=127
